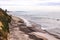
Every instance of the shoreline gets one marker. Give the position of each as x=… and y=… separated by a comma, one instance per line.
x=26, y=28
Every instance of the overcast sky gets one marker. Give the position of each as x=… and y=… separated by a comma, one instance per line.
x=30, y=5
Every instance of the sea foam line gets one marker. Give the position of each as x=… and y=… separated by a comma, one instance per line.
x=25, y=21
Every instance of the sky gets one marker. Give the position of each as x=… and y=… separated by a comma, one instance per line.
x=30, y=5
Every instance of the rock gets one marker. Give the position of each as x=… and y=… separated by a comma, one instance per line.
x=44, y=36
x=23, y=32
x=17, y=20
x=55, y=32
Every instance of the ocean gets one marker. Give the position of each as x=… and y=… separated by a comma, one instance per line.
x=49, y=21
x=41, y=18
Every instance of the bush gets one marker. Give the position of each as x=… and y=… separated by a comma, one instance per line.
x=5, y=19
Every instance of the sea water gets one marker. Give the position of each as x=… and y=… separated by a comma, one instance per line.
x=49, y=21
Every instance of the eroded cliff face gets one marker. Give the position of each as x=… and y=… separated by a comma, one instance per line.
x=4, y=27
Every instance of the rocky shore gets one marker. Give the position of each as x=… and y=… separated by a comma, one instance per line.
x=20, y=31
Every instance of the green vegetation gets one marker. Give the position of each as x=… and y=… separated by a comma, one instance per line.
x=5, y=19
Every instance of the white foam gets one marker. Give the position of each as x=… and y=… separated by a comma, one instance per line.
x=26, y=21
x=43, y=28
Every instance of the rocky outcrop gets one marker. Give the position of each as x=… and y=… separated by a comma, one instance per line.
x=19, y=31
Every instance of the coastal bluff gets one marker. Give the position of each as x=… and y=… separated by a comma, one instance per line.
x=5, y=19
x=18, y=28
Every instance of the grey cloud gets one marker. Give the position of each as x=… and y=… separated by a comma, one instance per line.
x=50, y=4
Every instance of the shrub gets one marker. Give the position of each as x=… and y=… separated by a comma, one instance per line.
x=5, y=19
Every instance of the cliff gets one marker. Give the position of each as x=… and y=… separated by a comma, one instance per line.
x=4, y=24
